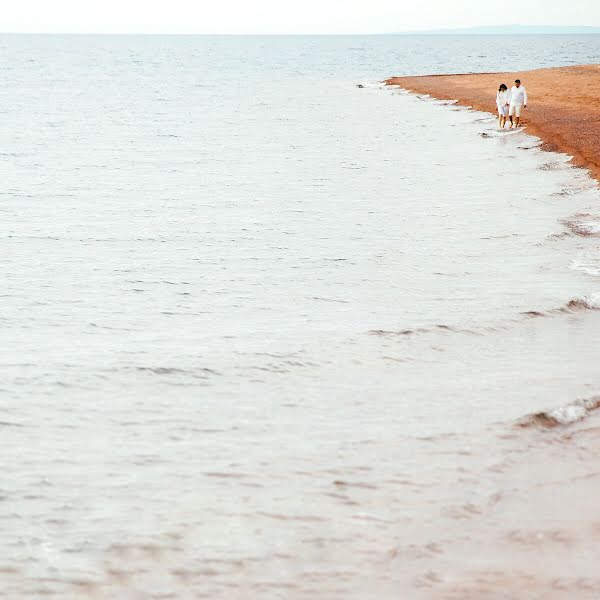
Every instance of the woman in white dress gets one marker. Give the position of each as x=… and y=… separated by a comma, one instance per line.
x=503, y=104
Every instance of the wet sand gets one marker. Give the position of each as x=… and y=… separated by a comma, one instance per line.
x=563, y=109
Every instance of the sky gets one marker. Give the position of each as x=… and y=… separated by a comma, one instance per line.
x=284, y=16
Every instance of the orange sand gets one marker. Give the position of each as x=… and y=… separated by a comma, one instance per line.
x=563, y=109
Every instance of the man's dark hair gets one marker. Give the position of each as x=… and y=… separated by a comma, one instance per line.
x=517, y=81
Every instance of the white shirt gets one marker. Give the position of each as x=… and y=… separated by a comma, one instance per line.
x=503, y=98
x=518, y=95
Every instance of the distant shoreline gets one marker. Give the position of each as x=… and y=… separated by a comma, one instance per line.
x=563, y=105
x=510, y=30
x=483, y=33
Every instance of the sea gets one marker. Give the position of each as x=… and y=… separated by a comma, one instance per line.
x=273, y=330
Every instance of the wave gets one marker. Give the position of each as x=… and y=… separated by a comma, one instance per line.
x=444, y=102
x=590, y=266
x=578, y=304
x=502, y=133
x=584, y=224
x=555, y=166
x=584, y=303
x=370, y=85
x=591, y=302
x=417, y=330
x=563, y=415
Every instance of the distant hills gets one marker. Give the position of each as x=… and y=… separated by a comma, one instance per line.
x=508, y=30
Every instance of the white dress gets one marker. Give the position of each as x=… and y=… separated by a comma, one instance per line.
x=503, y=102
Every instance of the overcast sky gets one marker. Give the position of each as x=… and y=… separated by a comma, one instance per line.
x=284, y=16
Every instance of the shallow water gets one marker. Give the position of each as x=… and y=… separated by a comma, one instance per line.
x=267, y=333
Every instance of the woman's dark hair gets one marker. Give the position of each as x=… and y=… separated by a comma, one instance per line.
x=502, y=87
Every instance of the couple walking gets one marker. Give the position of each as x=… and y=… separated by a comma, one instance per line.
x=510, y=103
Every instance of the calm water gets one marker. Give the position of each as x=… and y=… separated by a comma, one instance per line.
x=267, y=334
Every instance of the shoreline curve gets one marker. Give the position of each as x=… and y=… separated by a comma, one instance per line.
x=563, y=110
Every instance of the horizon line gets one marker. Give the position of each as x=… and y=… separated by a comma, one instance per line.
x=270, y=34
x=591, y=29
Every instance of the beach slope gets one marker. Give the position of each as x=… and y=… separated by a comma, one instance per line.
x=563, y=109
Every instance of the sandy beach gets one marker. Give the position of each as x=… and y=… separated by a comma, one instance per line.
x=563, y=110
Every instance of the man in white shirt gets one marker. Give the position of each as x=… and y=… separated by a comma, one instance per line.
x=518, y=101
